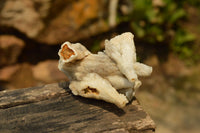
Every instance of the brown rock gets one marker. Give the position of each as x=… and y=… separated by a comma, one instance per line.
x=26, y=75
x=22, y=78
x=77, y=20
x=21, y=14
x=48, y=72
x=42, y=7
x=17, y=76
x=7, y=72
x=10, y=49
x=54, y=22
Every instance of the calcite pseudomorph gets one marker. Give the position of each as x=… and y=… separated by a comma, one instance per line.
x=111, y=75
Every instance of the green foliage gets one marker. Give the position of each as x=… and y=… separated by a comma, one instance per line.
x=160, y=24
x=182, y=44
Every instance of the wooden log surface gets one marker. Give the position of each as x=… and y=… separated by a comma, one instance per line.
x=52, y=108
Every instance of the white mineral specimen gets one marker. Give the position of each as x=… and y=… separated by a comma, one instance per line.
x=111, y=75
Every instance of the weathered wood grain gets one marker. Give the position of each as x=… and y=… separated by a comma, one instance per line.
x=60, y=111
x=10, y=98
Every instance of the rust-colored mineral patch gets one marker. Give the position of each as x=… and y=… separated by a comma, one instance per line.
x=66, y=52
x=91, y=90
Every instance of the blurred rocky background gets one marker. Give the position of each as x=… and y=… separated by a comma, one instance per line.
x=166, y=37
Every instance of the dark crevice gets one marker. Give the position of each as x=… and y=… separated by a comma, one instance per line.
x=34, y=51
x=2, y=85
x=149, y=130
x=15, y=104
